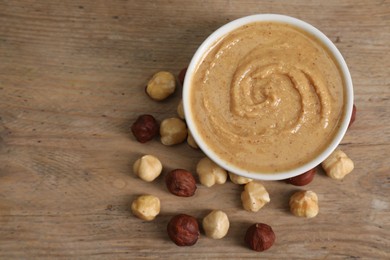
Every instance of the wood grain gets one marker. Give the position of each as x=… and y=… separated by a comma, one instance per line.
x=72, y=76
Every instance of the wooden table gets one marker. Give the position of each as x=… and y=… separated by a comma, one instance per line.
x=72, y=77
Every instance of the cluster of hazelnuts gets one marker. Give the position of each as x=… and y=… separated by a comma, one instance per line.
x=183, y=229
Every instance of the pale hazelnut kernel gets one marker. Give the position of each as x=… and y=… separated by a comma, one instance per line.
x=191, y=141
x=173, y=131
x=338, y=165
x=237, y=179
x=304, y=204
x=216, y=224
x=147, y=168
x=161, y=85
x=180, y=109
x=254, y=196
x=146, y=207
x=210, y=173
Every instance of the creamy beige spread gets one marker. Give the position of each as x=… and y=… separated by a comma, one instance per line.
x=267, y=97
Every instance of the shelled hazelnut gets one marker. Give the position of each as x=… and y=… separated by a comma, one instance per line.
x=260, y=237
x=237, y=179
x=303, y=179
x=216, y=224
x=210, y=173
x=254, y=196
x=338, y=165
x=181, y=183
x=147, y=168
x=180, y=110
x=146, y=207
x=182, y=75
x=173, y=131
x=353, y=116
x=183, y=230
x=161, y=85
x=304, y=204
x=191, y=141
x=145, y=128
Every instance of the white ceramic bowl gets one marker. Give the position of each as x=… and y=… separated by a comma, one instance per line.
x=225, y=29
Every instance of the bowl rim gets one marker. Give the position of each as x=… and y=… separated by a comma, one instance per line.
x=308, y=28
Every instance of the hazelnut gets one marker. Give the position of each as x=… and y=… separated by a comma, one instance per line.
x=147, y=168
x=337, y=165
x=173, y=131
x=237, y=179
x=353, y=116
x=304, y=204
x=303, y=179
x=216, y=224
x=181, y=183
x=254, y=196
x=146, y=207
x=259, y=237
x=183, y=230
x=161, y=85
x=180, y=110
x=191, y=141
x=182, y=75
x=210, y=173
x=145, y=128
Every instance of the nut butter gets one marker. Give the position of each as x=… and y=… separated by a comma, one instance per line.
x=267, y=97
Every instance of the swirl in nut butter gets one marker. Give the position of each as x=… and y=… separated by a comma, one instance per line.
x=267, y=97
